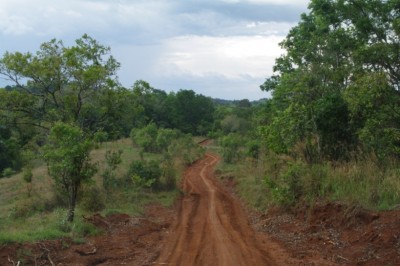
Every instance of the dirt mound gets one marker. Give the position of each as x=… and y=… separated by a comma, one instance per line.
x=345, y=235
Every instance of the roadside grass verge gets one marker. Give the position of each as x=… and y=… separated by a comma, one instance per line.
x=285, y=182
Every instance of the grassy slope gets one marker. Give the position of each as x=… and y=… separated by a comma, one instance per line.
x=30, y=218
x=273, y=180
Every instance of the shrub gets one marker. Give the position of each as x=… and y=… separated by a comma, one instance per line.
x=7, y=172
x=100, y=137
x=185, y=150
x=93, y=199
x=146, y=137
x=113, y=159
x=230, y=147
x=146, y=171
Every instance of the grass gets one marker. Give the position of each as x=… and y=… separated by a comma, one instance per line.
x=41, y=215
x=280, y=180
x=44, y=225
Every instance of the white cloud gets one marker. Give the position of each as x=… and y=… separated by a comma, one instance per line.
x=302, y=3
x=172, y=42
x=235, y=57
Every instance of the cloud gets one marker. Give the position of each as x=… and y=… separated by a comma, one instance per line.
x=212, y=46
x=234, y=57
x=231, y=67
x=275, y=2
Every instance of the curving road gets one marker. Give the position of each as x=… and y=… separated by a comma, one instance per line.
x=211, y=227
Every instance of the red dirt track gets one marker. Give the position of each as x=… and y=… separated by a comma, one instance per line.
x=211, y=228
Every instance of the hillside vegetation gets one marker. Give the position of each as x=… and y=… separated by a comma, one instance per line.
x=73, y=141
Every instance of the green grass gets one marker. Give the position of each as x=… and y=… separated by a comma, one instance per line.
x=280, y=180
x=42, y=226
x=40, y=216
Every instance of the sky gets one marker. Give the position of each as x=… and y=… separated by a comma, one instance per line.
x=218, y=48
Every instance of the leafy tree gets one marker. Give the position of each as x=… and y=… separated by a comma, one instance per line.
x=153, y=102
x=146, y=137
x=336, y=46
x=57, y=82
x=234, y=124
x=10, y=156
x=68, y=161
x=190, y=113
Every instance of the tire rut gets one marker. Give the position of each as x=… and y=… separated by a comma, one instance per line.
x=211, y=228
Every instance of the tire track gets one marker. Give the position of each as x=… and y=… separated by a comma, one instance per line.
x=211, y=228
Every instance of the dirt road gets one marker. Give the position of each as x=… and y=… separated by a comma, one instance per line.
x=211, y=228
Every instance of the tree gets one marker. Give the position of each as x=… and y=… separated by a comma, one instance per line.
x=57, y=82
x=336, y=46
x=190, y=112
x=68, y=161
x=10, y=156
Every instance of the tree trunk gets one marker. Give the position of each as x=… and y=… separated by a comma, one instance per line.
x=72, y=203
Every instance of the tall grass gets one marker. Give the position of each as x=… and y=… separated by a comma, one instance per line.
x=284, y=181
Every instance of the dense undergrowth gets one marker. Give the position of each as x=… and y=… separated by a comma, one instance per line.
x=284, y=181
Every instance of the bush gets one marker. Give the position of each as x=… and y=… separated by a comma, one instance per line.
x=7, y=172
x=165, y=137
x=146, y=137
x=113, y=159
x=230, y=147
x=185, y=150
x=287, y=188
x=100, y=137
x=93, y=199
x=146, y=171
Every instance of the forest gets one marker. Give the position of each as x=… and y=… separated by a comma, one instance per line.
x=329, y=132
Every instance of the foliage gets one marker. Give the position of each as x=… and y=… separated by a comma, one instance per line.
x=67, y=157
x=7, y=172
x=336, y=87
x=27, y=176
x=234, y=124
x=10, y=157
x=185, y=150
x=92, y=199
x=145, y=174
x=230, y=147
x=113, y=159
x=190, y=112
x=59, y=80
x=145, y=137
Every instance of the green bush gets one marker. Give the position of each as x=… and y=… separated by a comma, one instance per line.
x=93, y=199
x=113, y=159
x=230, y=147
x=100, y=137
x=7, y=172
x=146, y=171
x=185, y=150
x=145, y=137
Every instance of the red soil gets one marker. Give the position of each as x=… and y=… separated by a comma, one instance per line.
x=209, y=226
